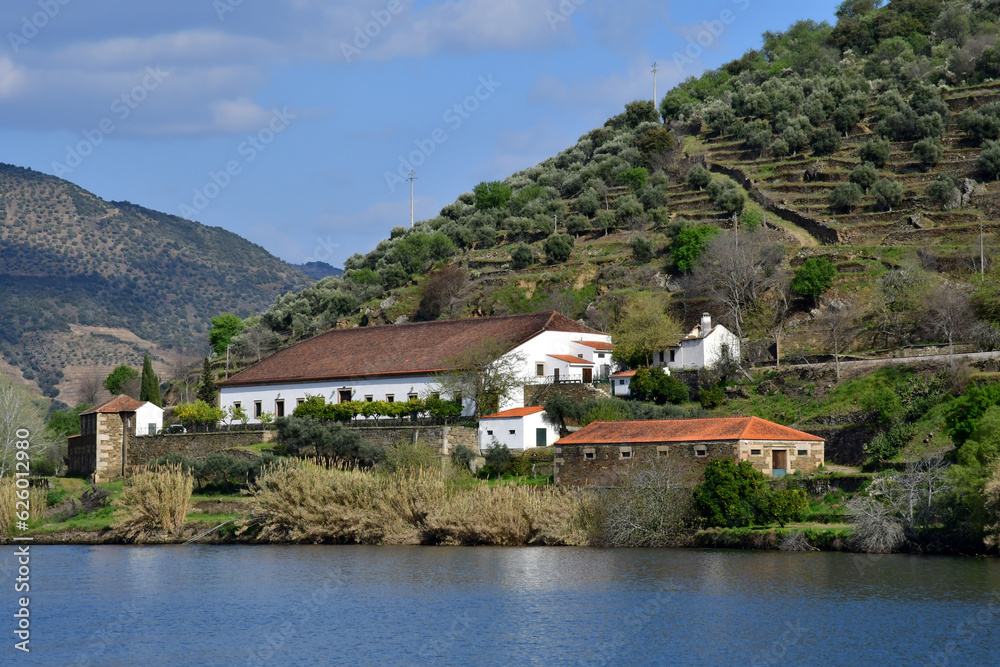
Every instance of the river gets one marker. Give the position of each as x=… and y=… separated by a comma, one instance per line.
x=306, y=605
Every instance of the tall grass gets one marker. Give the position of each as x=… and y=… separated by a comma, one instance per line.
x=304, y=502
x=154, y=501
x=9, y=508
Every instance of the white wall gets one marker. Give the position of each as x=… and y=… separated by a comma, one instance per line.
x=148, y=417
x=621, y=386
x=538, y=349
x=524, y=436
x=702, y=352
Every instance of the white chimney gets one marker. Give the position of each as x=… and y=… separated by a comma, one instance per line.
x=706, y=324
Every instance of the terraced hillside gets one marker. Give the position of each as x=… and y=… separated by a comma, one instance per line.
x=87, y=284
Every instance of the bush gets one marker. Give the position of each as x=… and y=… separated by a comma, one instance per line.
x=462, y=457
x=979, y=126
x=989, y=160
x=888, y=193
x=559, y=247
x=635, y=178
x=689, y=244
x=825, y=141
x=814, y=277
x=653, y=384
x=498, y=460
x=152, y=501
x=712, y=397
x=845, y=196
x=198, y=414
x=521, y=256
x=875, y=151
x=732, y=495
x=864, y=175
x=786, y=506
x=943, y=191
x=727, y=196
x=699, y=177
x=329, y=440
x=779, y=148
x=928, y=152
x=642, y=249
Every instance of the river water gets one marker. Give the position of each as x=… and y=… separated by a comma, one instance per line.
x=494, y=606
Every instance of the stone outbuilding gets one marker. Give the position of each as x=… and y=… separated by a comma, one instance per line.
x=106, y=435
x=589, y=456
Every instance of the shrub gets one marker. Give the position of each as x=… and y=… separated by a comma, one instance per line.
x=655, y=385
x=462, y=457
x=825, y=141
x=845, y=196
x=197, y=414
x=559, y=247
x=989, y=160
x=642, y=249
x=521, y=256
x=152, y=501
x=864, y=175
x=712, y=397
x=699, y=177
x=979, y=126
x=814, y=277
x=635, y=178
x=888, y=193
x=779, y=148
x=786, y=506
x=943, y=191
x=875, y=151
x=727, y=196
x=732, y=495
x=928, y=152
x=331, y=440
x=498, y=459
x=689, y=244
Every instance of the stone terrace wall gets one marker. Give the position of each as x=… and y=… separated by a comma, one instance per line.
x=439, y=438
x=145, y=450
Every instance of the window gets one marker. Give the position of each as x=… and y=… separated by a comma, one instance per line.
x=754, y=452
x=436, y=395
x=412, y=397
x=389, y=398
x=369, y=398
x=589, y=454
x=625, y=452
x=489, y=432
x=661, y=358
x=236, y=405
x=600, y=355
x=673, y=355
x=540, y=370
x=701, y=451
x=803, y=452
x=279, y=408
x=580, y=356
x=299, y=401
x=513, y=432
x=662, y=450
x=257, y=409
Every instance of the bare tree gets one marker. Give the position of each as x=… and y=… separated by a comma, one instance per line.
x=92, y=390
x=949, y=314
x=891, y=318
x=840, y=322
x=257, y=340
x=486, y=373
x=22, y=419
x=736, y=273
x=768, y=319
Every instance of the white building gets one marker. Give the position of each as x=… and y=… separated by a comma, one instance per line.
x=148, y=419
x=398, y=362
x=702, y=348
x=519, y=429
x=621, y=384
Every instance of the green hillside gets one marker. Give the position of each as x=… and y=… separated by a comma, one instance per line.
x=70, y=259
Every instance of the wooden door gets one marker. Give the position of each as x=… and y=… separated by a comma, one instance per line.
x=555, y=375
x=588, y=375
x=779, y=460
x=541, y=439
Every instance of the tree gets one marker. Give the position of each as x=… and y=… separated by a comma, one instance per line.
x=980, y=127
x=122, y=380
x=875, y=151
x=699, y=177
x=654, y=384
x=643, y=329
x=20, y=414
x=635, y=178
x=559, y=247
x=491, y=194
x=440, y=292
x=521, y=256
x=928, y=152
x=825, y=141
x=839, y=321
x=943, y=192
x=150, y=389
x=845, y=196
x=989, y=160
x=642, y=249
x=225, y=327
x=845, y=117
x=732, y=495
x=486, y=373
x=726, y=196
x=206, y=387
x=257, y=339
x=888, y=193
x=814, y=277
x=199, y=414
x=949, y=314
x=864, y=175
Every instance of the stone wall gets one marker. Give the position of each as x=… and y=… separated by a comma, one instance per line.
x=439, y=438
x=82, y=454
x=145, y=450
x=573, y=468
x=807, y=462
x=110, y=435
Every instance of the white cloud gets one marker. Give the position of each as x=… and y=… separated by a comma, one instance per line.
x=189, y=46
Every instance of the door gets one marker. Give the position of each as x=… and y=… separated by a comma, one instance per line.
x=779, y=462
x=541, y=437
x=588, y=375
x=345, y=395
x=555, y=375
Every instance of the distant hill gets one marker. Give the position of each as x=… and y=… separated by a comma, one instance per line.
x=87, y=284
x=319, y=270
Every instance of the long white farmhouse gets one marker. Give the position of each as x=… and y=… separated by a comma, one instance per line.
x=399, y=362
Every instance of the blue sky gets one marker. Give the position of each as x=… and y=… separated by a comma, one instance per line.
x=285, y=122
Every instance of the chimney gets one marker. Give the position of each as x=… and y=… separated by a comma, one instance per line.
x=706, y=324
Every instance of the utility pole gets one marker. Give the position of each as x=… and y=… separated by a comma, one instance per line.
x=227, y=360
x=655, y=70
x=982, y=255
x=413, y=177
x=555, y=224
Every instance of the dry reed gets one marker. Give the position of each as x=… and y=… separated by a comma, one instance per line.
x=8, y=504
x=154, y=501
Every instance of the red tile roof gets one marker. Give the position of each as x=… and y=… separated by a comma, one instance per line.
x=400, y=349
x=624, y=374
x=571, y=360
x=597, y=345
x=116, y=404
x=514, y=412
x=685, y=430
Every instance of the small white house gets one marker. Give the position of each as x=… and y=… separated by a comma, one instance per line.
x=702, y=348
x=621, y=384
x=519, y=429
x=148, y=419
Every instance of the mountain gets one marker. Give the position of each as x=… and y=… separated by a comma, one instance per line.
x=319, y=270
x=869, y=144
x=87, y=284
